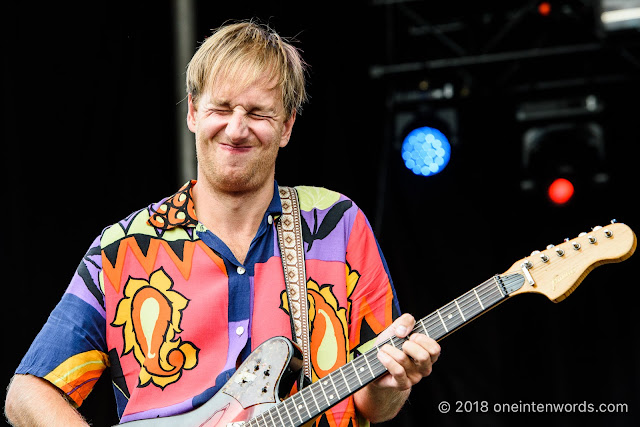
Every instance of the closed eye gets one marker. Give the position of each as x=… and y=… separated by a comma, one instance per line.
x=260, y=116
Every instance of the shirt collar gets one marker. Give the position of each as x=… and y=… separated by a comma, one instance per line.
x=179, y=209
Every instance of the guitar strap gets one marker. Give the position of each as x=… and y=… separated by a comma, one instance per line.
x=292, y=253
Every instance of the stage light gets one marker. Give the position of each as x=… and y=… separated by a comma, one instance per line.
x=544, y=8
x=620, y=14
x=426, y=151
x=560, y=191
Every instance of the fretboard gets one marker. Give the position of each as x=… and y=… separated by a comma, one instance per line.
x=346, y=380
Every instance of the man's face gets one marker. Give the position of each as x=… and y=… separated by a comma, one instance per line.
x=238, y=134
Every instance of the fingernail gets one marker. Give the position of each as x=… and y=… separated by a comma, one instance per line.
x=401, y=330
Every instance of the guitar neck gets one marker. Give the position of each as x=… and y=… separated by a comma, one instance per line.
x=346, y=380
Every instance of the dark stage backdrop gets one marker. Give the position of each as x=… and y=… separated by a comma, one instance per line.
x=89, y=136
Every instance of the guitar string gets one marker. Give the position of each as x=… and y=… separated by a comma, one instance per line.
x=486, y=291
x=345, y=391
x=489, y=291
x=468, y=304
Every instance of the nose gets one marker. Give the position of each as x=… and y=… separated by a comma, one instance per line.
x=237, y=129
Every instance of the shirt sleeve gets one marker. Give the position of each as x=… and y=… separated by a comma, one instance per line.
x=70, y=349
x=373, y=302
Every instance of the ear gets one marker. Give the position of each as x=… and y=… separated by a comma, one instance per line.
x=191, y=115
x=287, y=129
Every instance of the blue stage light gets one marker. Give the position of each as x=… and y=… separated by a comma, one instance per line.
x=426, y=151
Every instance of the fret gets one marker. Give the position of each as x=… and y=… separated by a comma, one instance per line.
x=295, y=406
x=313, y=396
x=355, y=371
x=361, y=364
x=369, y=366
x=452, y=316
x=302, y=405
x=322, y=384
x=458, y=306
x=330, y=376
x=345, y=380
x=284, y=405
x=279, y=417
x=435, y=327
x=379, y=367
x=489, y=294
x=479, y=300
x=396, y=342
x=469, y=304
x=442, y=320
x=424, y=330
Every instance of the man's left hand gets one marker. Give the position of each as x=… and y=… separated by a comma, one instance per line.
x=406, y=366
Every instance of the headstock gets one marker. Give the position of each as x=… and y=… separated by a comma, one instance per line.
x=558, y=270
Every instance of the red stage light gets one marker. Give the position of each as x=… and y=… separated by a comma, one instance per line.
x=544, y=8
x=560, y=191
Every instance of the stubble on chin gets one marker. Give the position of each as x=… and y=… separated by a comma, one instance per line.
x=251, y=177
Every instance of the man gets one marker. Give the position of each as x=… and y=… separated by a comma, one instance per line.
x=175, y=296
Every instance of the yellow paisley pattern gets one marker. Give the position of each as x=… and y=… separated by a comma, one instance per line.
x=150, y=315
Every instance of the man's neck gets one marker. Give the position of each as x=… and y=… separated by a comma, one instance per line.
x=232, y=216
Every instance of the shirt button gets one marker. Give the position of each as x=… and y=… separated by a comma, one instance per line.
x=240, y=270
x=239, y=330
x=270, y=219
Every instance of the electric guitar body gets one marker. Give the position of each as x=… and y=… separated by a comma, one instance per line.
x=262, y=381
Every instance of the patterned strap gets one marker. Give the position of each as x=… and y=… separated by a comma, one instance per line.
x=295, y=276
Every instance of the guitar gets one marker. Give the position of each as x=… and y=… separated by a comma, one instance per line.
x=255, y=394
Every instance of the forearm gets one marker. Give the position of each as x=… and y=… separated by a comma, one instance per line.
x=378, y=404
x=32, y=401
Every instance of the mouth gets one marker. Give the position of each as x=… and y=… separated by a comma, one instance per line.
x=236, y=148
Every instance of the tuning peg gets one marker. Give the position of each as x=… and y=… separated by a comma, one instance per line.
x=613, y=221
x=597, y=227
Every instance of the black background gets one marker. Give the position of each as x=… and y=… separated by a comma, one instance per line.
x=89, y=136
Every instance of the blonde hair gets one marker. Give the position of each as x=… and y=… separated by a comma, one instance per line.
x=245, y=52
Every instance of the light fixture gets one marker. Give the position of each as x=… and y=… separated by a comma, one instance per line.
x=426, y=151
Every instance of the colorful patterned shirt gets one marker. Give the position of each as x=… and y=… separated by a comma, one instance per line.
x=164, y=303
